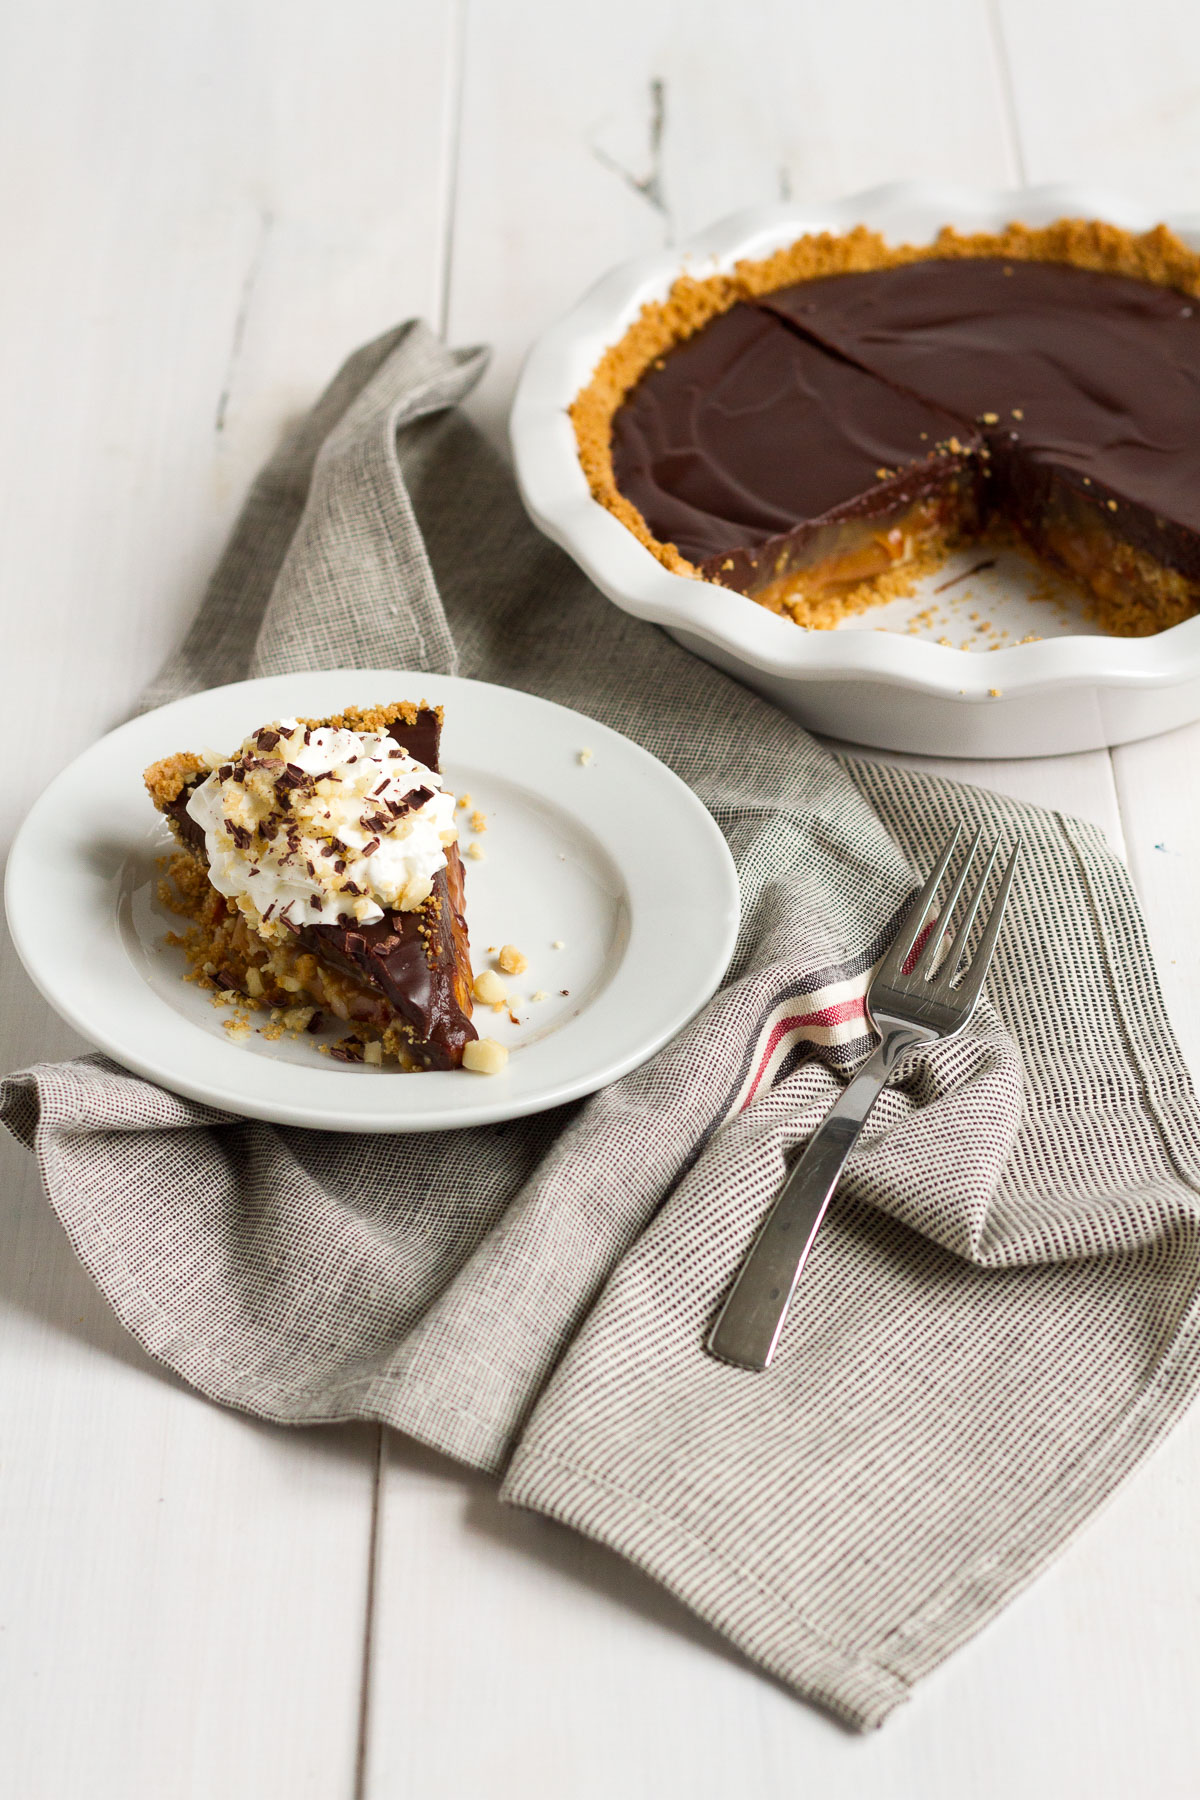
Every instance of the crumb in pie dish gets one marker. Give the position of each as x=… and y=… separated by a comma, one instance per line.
x=818, y=429
x=319, y=870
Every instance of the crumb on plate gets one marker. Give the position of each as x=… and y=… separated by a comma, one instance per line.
x=485, y=1056
x=489, y=989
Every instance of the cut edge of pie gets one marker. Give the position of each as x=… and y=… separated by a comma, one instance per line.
x=1128, y=591
x=402, y=984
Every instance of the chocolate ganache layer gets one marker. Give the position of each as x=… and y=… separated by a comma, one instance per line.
x=827, y=433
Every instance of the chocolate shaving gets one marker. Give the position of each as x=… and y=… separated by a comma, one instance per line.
x=376, y=822
x=371, y=848
x=224, y=979
x=316, y=1022
x=267, y=828
x=267, y=740
x=349, y=1050
x=384, y=783
x=410, y=802
x=291, y=925
x=225, y=771
x=239, y=834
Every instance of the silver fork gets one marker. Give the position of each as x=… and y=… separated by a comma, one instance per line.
x=907, y=1005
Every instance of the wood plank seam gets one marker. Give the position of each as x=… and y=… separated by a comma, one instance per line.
x=450, y=160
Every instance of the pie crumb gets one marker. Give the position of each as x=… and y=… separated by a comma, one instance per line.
x=558, y=944
x=489, y=989
x=478, y=820
x=485, y=1056
x=476, y=852
x=585, y=757
x=512, y=961
x=541, y=994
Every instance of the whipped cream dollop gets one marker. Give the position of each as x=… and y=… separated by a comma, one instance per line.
x=320, y=826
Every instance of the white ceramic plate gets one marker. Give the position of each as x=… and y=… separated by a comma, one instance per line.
x=897, y=686
x=616, y=858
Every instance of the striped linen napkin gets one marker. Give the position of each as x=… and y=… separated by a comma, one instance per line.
x=1001, y=1316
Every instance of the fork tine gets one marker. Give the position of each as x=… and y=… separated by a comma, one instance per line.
x=933, y=943
x=971, y=985
x=892, y=966
x=954, y=961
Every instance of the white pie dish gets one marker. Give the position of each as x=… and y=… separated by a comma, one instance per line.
x=869, y=681
x=607, y=872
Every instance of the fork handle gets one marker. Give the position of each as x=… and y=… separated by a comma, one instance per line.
x=748, y=1326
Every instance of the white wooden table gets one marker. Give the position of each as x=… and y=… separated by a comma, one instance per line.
x=205, y=205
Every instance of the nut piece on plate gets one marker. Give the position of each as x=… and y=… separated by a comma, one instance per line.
x=489, y=989
x=485, y=1056
x=512, y=961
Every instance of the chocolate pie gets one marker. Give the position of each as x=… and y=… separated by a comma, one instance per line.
x=818, y=429
x=320, y=870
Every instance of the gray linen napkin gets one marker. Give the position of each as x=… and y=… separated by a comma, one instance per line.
x=1001, y=1316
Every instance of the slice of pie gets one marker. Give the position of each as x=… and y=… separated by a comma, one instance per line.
x=319, y=866
x=816, y=429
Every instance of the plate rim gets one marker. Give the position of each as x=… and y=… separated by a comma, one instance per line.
x=555, y=491
x=23, y=903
